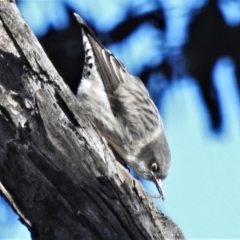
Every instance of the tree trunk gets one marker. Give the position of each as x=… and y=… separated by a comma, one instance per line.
x=56, y=172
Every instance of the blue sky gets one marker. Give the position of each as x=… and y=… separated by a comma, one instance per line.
x=202, y=189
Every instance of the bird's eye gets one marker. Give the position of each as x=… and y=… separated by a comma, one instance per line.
x=154, y=167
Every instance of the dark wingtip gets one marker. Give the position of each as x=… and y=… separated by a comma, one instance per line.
x=79, y=19
x=85, y=26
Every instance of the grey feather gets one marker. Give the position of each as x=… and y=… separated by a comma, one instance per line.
x=121, y=109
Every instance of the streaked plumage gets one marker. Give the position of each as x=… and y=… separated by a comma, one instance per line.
x=121, y=109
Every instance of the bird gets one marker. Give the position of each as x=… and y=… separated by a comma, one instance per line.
x=121, y=109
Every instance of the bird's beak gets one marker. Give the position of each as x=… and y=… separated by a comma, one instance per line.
x=159, y=186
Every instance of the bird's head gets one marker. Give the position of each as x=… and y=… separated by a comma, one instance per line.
x=153, y=162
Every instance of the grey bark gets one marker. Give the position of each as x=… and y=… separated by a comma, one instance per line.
x=56, y=172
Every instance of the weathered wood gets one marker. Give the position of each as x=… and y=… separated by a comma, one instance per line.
x=55, y=170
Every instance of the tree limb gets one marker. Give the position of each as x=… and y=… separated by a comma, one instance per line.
x=55, y=170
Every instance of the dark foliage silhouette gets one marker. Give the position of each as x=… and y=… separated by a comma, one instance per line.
x=209, y=39
x=65, y=50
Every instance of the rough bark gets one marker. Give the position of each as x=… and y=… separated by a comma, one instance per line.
x=55, y=170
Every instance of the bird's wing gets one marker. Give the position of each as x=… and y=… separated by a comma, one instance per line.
x=111, y=70
x=128, y=97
